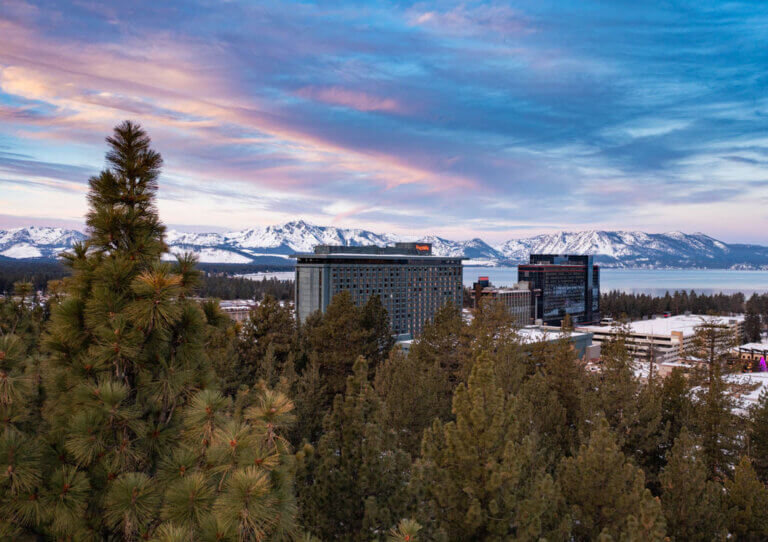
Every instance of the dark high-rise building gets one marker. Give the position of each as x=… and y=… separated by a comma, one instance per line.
x=563, y=284
x=411, y=283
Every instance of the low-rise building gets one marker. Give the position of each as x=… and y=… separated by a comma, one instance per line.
x=237, y=309
x=667, y=340
x=753, y=356
x=580, y=341
x=516, y=298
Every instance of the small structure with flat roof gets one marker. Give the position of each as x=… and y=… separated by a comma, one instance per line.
x=665, y=339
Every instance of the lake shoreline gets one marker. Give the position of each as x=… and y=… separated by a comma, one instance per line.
x=654, y=282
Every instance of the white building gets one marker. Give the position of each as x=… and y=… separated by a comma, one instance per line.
x=669, y=338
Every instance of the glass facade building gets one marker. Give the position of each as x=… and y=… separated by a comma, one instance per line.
x=563, y=284
x=411, y=283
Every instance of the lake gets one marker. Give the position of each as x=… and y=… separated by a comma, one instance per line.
x=649, y=281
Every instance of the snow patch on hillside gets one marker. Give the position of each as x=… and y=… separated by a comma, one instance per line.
x=23, y=250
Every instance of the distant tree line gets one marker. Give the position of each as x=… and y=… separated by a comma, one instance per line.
x=231, y=269
x=37, y=272
x=215, y=280
x=621, y=305
x=223, y=287
x=618, y=304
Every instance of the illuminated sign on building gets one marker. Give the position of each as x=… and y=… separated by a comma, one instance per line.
x=422, y=248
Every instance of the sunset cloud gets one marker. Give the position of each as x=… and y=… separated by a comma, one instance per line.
x=353, y=99
x=468, y=117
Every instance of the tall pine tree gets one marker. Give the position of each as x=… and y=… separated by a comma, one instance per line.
x=753, y=328
x=352, y=485
x=138, y=441
x=477, y=481
x=757, y=433
x=716, y=425
x=746, y=500
x=692, y=503
x=606, y=492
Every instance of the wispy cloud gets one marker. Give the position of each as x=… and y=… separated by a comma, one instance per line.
x=459, y=117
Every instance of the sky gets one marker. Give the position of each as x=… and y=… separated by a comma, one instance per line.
x=462, y=119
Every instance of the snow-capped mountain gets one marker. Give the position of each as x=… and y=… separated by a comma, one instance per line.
x=639, y=249
x=37, y=242
x=272, y=245
x=270, y=242
x=477, y=251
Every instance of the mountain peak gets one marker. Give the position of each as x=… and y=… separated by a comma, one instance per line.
x=273, y=244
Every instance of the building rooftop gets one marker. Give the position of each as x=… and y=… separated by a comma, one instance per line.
x=754, y=346
x=357, y=255
x=537, y=334
x=503, y=290
x=399, y=250
x=685, y=324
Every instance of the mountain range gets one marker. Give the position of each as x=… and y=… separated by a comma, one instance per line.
x=272, y=245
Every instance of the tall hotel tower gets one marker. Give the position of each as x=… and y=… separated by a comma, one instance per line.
x=411, y=283
x=563, y=284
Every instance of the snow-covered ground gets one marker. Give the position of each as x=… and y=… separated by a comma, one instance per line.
x=279, y=275
x=23, y=250
x=747, y=387
x=211, y=255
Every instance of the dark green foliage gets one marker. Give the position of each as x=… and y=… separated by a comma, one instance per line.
x=37, y=272
x=337, y=339
x=606, y=493
x=753, y=327
x=567, y=379
x=714, y=421
x=692, y=503
x=352, y=485
x=442, y=342
x=492, y=482
x=745, y=504
x=226, y=287
x=635, y=306
x=269, y=328
x=414, y=395
x=341, y=335
x=375, y=320
x=676, y=403
x=633, y=410
x=757, y=433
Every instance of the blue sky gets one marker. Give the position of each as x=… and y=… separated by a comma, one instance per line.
x=464, y=119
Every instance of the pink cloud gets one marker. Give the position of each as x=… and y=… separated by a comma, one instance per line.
x=361, y=101
x=173, y=88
